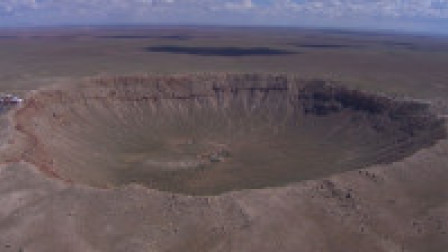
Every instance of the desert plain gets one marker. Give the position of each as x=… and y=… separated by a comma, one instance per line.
x=188, y=138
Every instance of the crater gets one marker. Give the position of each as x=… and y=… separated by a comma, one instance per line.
x=214, y=133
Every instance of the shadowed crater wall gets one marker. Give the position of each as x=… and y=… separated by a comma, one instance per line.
x=209, y=134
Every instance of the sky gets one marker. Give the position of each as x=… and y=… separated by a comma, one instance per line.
x=430, y=16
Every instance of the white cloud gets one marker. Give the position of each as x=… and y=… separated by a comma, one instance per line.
x=394, y=8
x=206, y=10
x=241, y=5
x=391, y=8
x=11, y=5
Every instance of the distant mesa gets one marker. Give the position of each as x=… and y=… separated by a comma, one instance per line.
x=173, y=37
x=126, y=37
x=219, y=51
x=327, y=46
x=7, y=37
x=394, y=43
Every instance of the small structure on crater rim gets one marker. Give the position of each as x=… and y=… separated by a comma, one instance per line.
x=9, y=99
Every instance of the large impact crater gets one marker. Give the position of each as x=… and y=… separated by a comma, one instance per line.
x=212, y=133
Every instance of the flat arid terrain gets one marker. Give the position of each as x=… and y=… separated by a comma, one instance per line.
x=191, y=138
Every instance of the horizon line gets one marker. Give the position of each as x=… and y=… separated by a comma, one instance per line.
x=370, y=30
